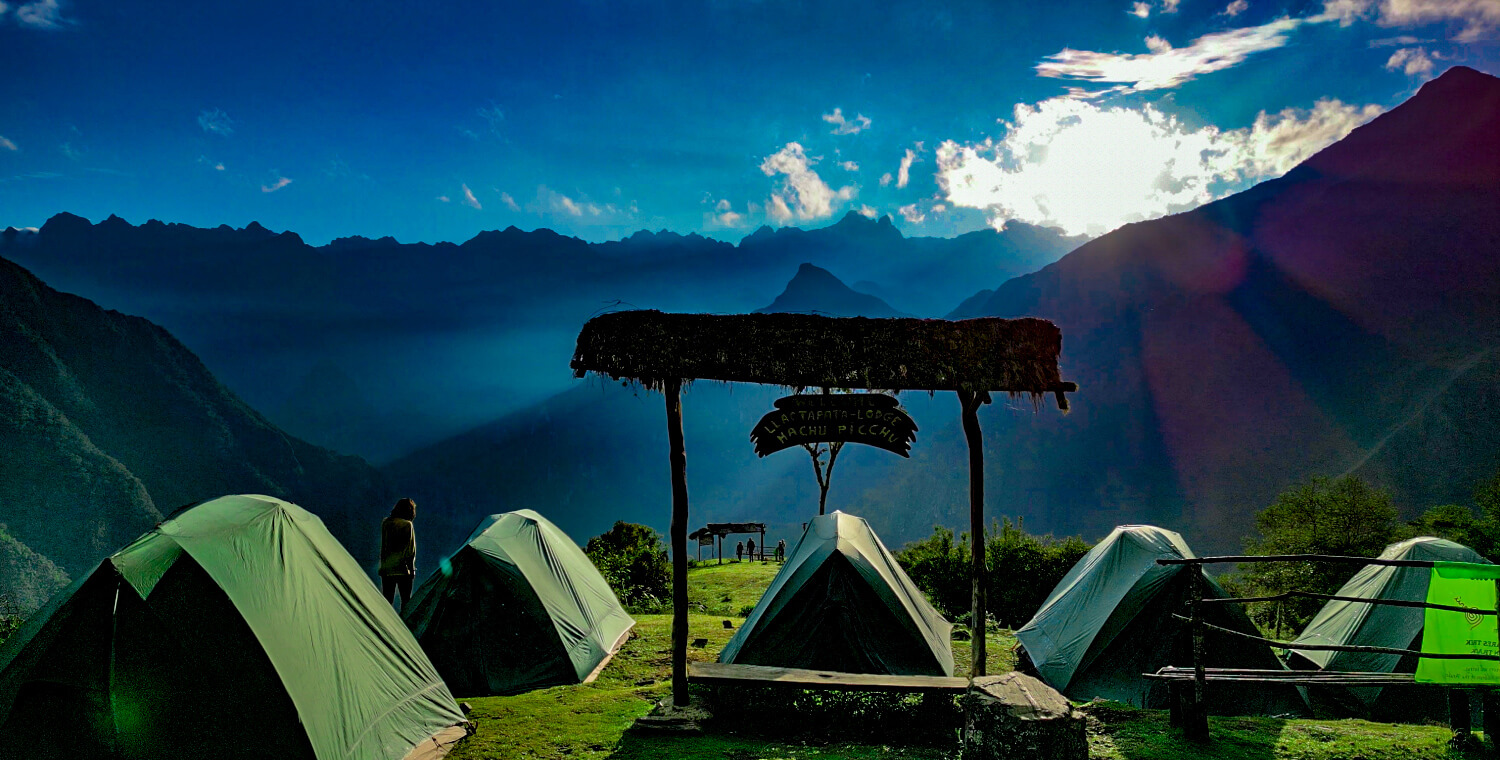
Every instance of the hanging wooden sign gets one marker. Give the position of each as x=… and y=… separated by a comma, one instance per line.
x=873, y=419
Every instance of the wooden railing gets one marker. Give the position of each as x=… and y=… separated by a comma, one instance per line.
x=1194, y=719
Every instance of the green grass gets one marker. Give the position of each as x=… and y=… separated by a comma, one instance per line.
x=1119, y=732
x=728, y=588
x=594, y=721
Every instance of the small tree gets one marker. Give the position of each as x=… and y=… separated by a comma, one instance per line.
x=1345, y=516
x=824, y=476
x=633, y=560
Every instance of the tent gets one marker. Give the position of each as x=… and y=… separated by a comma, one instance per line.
x=1109, y=620
x=239, y=628
x=840, y=602
x=518, y=607
x=1383, y=626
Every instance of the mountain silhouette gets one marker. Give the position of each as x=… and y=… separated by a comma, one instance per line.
x=108, y=424
x=814, y=290
x=1342, y=318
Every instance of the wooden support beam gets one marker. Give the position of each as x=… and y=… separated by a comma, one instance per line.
x=677, y=454
x=970, y=402
x=1195, y=724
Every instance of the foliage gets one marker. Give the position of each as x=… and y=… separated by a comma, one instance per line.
x=1021, y=569
x=10, y=618
x=1477, y=526
x=633, y=560
x=1345, y=516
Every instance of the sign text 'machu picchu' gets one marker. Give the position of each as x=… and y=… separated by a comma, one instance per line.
x=874, y=419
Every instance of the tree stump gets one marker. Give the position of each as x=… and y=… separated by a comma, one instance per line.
x=1015, y=715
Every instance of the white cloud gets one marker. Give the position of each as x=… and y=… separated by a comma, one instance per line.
x=42, y=14
x=1413, y=61
x=548, y=200
x=850, y=127
x=469, y=199
x=1236, y=8
x=7, y=144
x=1140, y=10
x=1087, y=169
x=723, y=215
x=802, y=194
x=850, y=166
x=938, y=208
x=903, y=173
x=277, y=185
x=885, y=179
x=509, y=202
x=1480, y=18
x=1169, y=6
x=1405, y=39
x=867, y=212
x=3, y=8
x=443, y=199
x=216, y=121
x=911, y=213
x=1166, y=66
x=70, y=152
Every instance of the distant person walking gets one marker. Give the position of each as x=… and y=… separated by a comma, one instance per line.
x=739, y=551
x=781, y=550
x=750, y=549
x=398, y=552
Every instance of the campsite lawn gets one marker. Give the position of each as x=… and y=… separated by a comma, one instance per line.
x=594, y=721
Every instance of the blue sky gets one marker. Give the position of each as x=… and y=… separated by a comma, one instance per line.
x=433, y=121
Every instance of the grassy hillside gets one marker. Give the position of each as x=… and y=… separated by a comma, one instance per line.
x=595, y=721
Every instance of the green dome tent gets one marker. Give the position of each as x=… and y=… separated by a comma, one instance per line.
x=518, y=607
x=1382, y=625
x=237, y=629
x=841, y=603
x=1109, y=620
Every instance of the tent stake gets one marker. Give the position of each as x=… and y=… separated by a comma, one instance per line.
x=678, y=456
x=970, y=402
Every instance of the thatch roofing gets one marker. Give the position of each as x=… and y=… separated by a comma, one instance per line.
x=812, y=351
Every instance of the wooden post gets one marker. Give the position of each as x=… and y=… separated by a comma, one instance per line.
x=721, y=549
x=1195, y=723
x=762, y=545
x=678, y=456
x=970, y=402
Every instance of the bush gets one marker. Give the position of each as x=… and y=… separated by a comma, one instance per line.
x=1021, y=570
x=634, y=561
x=1345, y=517
x=10, y=618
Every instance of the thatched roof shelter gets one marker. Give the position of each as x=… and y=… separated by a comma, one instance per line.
x=974, y=357
x=812, y=351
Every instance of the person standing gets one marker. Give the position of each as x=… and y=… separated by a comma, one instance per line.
x=750, y=549
x=781, y=550
x=398, y=552
x=739, y=551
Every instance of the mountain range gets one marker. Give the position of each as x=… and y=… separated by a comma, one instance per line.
x=440, y=338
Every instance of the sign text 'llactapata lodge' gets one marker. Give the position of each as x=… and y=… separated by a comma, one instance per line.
x=874, y=419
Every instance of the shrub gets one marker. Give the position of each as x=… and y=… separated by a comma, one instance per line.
x=1345, y=517
x=1021, y=570
x=633, y=560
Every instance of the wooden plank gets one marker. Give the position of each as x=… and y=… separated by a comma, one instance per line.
x=727, y=674
x=1300, y=677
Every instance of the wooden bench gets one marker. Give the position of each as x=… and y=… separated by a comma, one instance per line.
x=728, y=674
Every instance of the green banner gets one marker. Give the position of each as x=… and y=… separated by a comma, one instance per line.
x=1460, y=584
